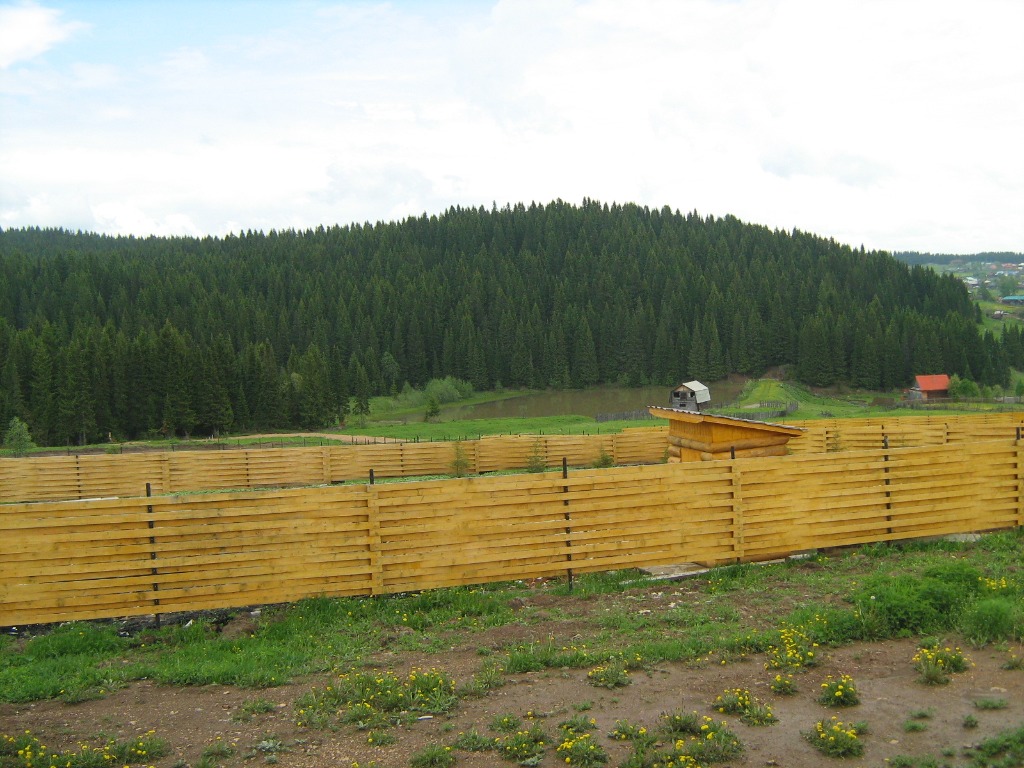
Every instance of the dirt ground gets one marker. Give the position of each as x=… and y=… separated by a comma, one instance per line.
x=191, y=719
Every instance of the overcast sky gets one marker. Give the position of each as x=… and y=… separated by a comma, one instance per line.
x=893, y=124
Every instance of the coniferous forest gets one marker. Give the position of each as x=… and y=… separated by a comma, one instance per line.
x=131, y=337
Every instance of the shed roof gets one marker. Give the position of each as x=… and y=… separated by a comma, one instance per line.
x=933, y=383
x=677, y=414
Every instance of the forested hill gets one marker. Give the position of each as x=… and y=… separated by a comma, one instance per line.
x=126, y=337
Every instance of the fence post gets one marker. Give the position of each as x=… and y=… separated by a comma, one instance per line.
x=152, y=551
x=738, y=512
x=78, y=476
x=568, y=523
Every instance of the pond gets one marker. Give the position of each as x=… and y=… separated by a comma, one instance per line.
x=587, y=402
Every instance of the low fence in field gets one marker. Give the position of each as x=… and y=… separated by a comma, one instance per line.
x=90, y=476
x=827, y=435
x=137, y=556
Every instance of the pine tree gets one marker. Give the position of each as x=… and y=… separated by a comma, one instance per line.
x=11, y=404
x=75, y=407
x=360, y=388
x=43, y=398
x=583, y=365
x=315, y=407
x=697, y=363
x=716, y=370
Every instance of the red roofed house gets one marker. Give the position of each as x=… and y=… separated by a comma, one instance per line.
x=926, y=387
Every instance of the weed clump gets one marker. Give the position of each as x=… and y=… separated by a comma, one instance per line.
x=835, y=738
x=433, y=756
x=935, y=665
x=795, y=650
x=25, y=750
x=841, y=692
x=784, y=685
x=372, y=700
x=612, y=674
x=581, y=749
x=739, y=701
x=525, y=747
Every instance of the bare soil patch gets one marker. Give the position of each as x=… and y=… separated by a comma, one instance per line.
x=192, y=718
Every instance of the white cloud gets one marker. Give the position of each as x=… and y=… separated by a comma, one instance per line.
x=28, y=30
x=867, y=121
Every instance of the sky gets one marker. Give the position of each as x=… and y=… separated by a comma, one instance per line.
x=893, y=124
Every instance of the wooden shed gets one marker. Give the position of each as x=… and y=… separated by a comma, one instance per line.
x=690, y=396
x=705, y=437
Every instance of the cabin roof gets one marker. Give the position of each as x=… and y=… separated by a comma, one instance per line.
x=932, y=383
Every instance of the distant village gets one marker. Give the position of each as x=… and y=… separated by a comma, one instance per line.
x=991, y=281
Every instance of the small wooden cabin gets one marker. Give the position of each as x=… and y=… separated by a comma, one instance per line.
x=926, y=387
x=690, y=396
x=704, y=437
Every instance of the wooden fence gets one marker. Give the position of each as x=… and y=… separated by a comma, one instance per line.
x=91, y=476
x=136, y=556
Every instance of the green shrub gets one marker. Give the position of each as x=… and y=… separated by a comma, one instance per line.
x=964, y=577
x=989, y=621
x=536, y=461
x=902, y=606
x=1006, y=749
x=74, y=639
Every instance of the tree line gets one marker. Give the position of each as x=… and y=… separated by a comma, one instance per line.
x=122, y=337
